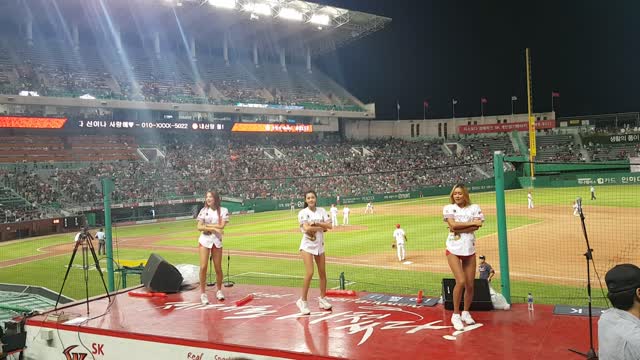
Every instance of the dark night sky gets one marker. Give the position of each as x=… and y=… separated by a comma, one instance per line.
x=438, y=50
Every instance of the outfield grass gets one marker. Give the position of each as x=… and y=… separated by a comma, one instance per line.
x=273, y=272
x=275, y=232
x=424, y=232
x=29, y=247
x=617, y=196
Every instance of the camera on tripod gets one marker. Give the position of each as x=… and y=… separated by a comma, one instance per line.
x=83, y=241
x=84, y=234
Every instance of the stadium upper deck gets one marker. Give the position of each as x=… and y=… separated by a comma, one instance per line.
x=218, y=53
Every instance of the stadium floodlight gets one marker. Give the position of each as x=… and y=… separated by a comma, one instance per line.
x=225, y=4
x=335, y=12
x=257, y=8
x=320, y=19
x=290, y=14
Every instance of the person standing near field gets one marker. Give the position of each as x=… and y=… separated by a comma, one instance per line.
x=369, y=208
x=345, y=215
x=211, y=222
x=101, y=242
x=593, y=192
x=463, y=219
x=619, y=326
x=485, y=270
x=399, y=238
x=334, y=215
x=314, y=222
x=529, y=200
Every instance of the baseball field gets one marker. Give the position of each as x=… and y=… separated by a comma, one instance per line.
x=545, y=244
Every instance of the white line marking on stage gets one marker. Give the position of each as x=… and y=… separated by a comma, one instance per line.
x=458, y=332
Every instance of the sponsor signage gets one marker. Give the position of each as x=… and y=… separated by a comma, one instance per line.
x=399, y=300
x=277, y=128
x=576, y=310
x=497, y=128
x=632, y=178
x=612, y=139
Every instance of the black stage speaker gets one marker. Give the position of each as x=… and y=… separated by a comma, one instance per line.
x=481, y=296
x=160, y=276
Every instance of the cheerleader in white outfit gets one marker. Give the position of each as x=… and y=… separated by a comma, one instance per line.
x=313, y=222
x=211, y=222
x=463, y=219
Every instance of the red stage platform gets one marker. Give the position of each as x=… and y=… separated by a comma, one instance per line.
x=269, y=327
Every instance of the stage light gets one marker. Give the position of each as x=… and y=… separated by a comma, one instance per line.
x=225, y=4
x=320, y=19
x=257, y=8
x=290, y=14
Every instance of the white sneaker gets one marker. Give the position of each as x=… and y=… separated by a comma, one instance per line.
x=324, y=303
x=466, y=317
x=204, y=299
x=220, y=295
x=456, y=321
x=304, y=308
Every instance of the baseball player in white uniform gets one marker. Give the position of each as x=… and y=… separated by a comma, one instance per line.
x=576, y=209
x=334, y=215
x=399, y=239
x=345, y=215
x=463, y=219
x=100, y=235
x=313, y=222
x=211, y=222
x=369, y=208
x=529, y=200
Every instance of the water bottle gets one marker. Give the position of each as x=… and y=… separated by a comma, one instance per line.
x=530, y=302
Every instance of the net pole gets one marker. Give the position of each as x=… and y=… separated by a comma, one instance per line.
x=107, y=189
x=501, y=218
x=532, y=123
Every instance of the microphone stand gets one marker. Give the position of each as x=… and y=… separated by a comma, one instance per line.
x=591, y=353
x=228, y=283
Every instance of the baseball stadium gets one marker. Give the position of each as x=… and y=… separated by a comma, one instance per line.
x=118, y=117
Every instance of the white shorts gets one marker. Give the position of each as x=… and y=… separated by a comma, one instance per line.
x=312, y=247
x=209, y=241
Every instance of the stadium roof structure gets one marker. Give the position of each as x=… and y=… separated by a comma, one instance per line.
x=289, y=23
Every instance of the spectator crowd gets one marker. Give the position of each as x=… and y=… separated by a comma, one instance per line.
x=250, y=171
